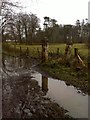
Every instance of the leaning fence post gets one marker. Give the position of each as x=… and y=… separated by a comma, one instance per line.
x=80, y=61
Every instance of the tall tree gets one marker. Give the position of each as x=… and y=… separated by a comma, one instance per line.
x=6, y=13
x=53, y=22
x=46, y=22
x=34, y=25
x=67, y=33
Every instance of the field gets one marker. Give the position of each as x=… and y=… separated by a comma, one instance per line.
x=53, y=67
x=35, y=49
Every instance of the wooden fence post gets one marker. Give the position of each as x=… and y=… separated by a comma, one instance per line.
x=27, y=52
x=44, y=50
x=38, y=52
x=20, y=51
x=15, y=49
x=75, y=52
x=57, y=51
x=68, y=51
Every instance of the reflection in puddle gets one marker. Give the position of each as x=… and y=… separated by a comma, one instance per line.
x=15, y=62
x=66, y=96
x=44, y=84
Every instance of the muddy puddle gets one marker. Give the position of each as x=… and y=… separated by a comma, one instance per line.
x=66, y=96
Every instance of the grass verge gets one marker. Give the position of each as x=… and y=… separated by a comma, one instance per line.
x=77, y=78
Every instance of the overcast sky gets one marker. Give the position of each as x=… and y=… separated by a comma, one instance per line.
x=64, y=11
x=89, y=12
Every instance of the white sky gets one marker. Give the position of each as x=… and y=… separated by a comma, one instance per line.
x=64, y=11
x=89, y=12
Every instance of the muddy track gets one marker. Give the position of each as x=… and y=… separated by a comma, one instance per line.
x=23, y=97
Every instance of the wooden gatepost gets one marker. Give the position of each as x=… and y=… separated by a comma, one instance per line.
x=68, y=51
x=44, y=50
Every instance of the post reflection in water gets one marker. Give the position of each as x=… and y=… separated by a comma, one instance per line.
x=44, y=84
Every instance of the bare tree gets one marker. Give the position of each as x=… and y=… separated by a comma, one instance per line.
x=6, y=13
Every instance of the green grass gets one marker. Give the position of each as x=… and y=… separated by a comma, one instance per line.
x=10, y=49
x=82, y=48
x=54, y=67
x=78, y=79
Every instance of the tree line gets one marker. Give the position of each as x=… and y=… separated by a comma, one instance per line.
x=25, y=28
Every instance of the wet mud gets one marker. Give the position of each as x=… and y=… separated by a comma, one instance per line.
x=22, y=97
